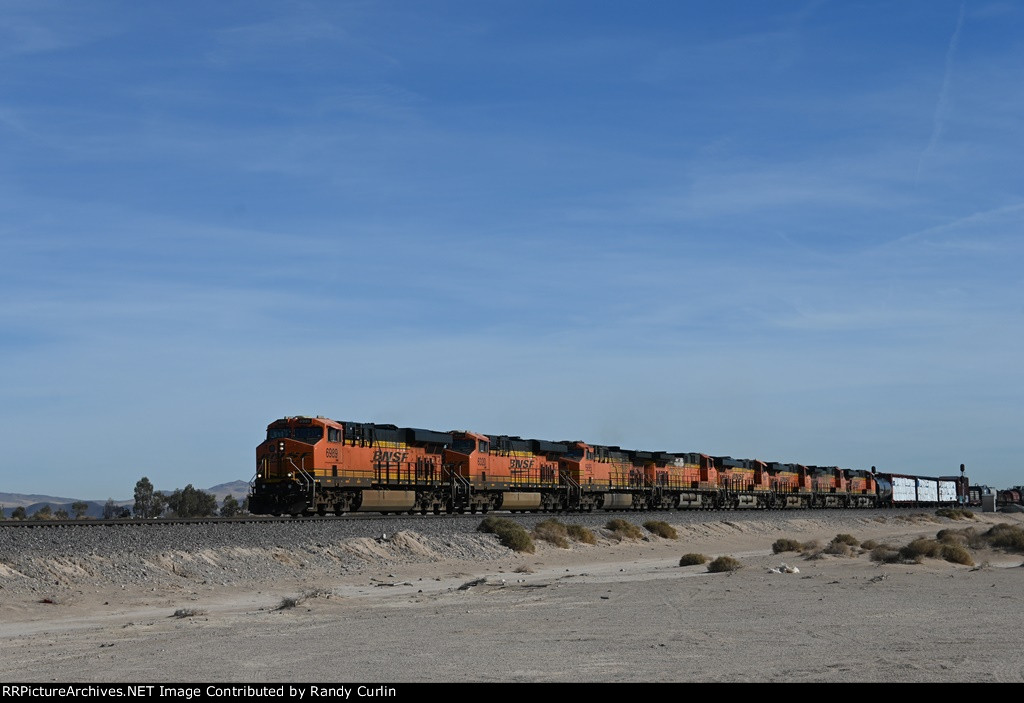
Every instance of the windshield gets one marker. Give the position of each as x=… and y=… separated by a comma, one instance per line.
x=464, y=446
x=310, y=435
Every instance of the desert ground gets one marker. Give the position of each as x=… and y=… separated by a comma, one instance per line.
x=615, y=611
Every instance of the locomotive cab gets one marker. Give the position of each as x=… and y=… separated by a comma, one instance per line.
x=285, y=465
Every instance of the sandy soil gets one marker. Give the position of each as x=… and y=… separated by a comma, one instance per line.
x=612, y=612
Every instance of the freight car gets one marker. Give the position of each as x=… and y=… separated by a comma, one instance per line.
x=1010, y=496
x=314, y=465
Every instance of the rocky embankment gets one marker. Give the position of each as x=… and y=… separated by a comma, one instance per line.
x=47, y=560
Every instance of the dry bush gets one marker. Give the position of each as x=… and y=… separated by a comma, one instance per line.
x=511, y=534
x=187, y=613
x=839, y=549
x=661, y=528
x=869, y=544
x=957, y=554
x=553, y=531
x=293, y=601
x=722, y=564
x=1006, y=536
x=955, y=513
x=692, y=559
x=843, y=538
x=621, y=528
x=920, y=548
x=810, y=547
x=523, y=569
x=289, y=602
x=966, y=537
x=885, y=554
x=786, y=545
x=581, y=534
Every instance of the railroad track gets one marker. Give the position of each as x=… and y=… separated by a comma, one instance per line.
x=162, y=522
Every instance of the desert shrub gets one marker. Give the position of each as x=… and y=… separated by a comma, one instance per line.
x=786, y=545
x=524, y=569
x=921, y=548
x=552, y=531
x=187, y=613
x=692, y=559
x=722, y=564
x=885, y=554
x=661, y=528
x=955, y=513
x=621, y=528
x=1006, y=536
x=289, y=602
x=510, y=533
x=581, y=534
x=839, y=549
x=492, y=524
x=843, y=538
x=957, y=554
x=869, y=544
x=810, y=547
x=965, y=536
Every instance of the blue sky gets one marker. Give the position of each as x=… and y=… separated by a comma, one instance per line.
x=787, y=230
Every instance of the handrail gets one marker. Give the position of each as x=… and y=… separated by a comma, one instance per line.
x=307, y=478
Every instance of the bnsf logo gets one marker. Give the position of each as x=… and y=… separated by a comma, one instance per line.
x=383, y=455
x=521, y=464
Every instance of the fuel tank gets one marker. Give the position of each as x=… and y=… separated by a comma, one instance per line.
x=617, y=501
x=520, y=501
x=387, y=501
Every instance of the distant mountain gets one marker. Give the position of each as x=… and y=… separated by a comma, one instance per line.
x=238, y=489
x=33, y=502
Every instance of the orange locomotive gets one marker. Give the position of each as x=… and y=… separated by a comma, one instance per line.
x=314, y=465
x=319, y=465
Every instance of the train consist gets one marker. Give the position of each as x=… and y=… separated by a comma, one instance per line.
x=313, y=465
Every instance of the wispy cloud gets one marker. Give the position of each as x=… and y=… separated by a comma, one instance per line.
x=939, y=116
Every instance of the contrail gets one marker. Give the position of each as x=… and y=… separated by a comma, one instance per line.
x=940, y=108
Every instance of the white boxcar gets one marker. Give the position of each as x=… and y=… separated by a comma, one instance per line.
x=947, y=491
x=904, y=490
x=927, y=490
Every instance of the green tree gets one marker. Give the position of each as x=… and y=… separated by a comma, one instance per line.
x=144, y=501
x=110, y=509
x=19, y=513
x=44, y=513
x=80, y=507
x=159, y=503
x=192, y=502
x=229, y=507
x=61, y=514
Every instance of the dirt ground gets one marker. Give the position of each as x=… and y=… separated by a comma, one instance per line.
x=611, y=612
